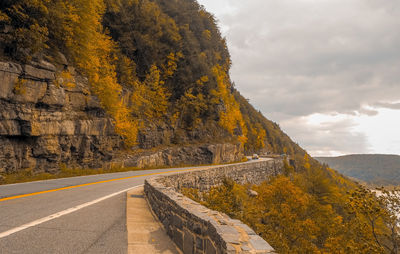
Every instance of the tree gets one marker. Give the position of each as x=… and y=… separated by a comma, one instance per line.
x=29, y=32
x=230, y=116
x=150, y=98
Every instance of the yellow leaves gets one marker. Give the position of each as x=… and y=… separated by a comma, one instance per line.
x=190, y=107
x=150, y=98
x=126, y=70
x=202, y=80
x=172, y=65
x=307, y=165
x=261, y=135
x=203, y=56
x=174, y=118
x=125, y=124
x=230, y=118
x=293, y=221
x=78, y=24
x=66, y=79
x=207, y=34
x=4, y=17
x=218, y=56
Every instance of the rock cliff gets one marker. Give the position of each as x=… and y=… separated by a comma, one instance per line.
x=186, y=155
x=48, y=117
x=46, y=120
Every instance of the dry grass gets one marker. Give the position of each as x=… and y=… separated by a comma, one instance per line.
x=65, y=172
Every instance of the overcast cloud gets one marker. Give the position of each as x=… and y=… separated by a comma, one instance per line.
x=300, y=59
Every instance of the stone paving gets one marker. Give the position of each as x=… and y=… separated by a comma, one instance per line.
x=145, y=233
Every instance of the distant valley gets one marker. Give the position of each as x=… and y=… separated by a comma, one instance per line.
x=375, y=169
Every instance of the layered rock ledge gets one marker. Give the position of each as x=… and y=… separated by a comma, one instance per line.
x=48, y=118
x=197, y=229
x=46, y=121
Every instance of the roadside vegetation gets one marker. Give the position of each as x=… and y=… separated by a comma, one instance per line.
x=30, y=176
x=311, y=212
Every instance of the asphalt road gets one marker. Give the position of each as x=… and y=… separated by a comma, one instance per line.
x=84, y=219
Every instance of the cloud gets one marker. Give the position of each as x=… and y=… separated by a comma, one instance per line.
x=327, y=138
x=296, y=58
x=305, y=56
x=388, y=105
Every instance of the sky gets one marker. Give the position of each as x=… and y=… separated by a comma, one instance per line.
x=328, y=71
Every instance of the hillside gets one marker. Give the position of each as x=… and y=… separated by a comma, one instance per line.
x=94, y=80
x=377, y=169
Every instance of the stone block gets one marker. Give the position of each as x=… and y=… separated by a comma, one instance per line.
x=93, y=102
x=10, y=128
x=247, y=229
x=77, y=101
x=177, y=221
x=67, y=128
x=46, y=146
x=7, y=83
x=178, y=238
x=55, y=96
x=10, y=67
x=188, y=243
x=38, y=73
x=260, y=244
x=210, y=248
x=98, y=127
x=229, y=238
x=195, y=227
x=245, y=248
x=31, y=91
x=30, y=128
x=199, y=243
x=46, y=66
x=230, y=249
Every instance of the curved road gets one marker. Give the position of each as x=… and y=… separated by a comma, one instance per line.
x=70, y=215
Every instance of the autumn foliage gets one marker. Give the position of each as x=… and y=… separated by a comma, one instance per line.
x=151, y=63
x=294, y=220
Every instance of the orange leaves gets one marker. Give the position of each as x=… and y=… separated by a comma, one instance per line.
x=172, y=65
x=291, y=219
x=207, y=34
x=78, y=25
x=150, y=97
x=4, y=17
x=230, y=117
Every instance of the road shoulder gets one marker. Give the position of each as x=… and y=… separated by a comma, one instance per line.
x=145, y=233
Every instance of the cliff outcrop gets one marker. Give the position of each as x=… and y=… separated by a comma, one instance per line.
x=49, y=118
x=185, y=155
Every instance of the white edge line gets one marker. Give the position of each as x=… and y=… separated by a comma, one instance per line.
x=62, y=213
x=105, y=174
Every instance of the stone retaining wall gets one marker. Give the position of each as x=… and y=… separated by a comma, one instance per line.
x=197, y=229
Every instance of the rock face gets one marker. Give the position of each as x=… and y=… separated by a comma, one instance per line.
x=49, y=118
x=46, y=121
x=190, y=155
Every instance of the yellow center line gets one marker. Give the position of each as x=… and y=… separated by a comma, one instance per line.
x=88, y=184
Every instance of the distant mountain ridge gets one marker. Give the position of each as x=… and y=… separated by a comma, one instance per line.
x=379, y=169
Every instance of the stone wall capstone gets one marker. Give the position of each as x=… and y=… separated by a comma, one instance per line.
x=197, y=229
